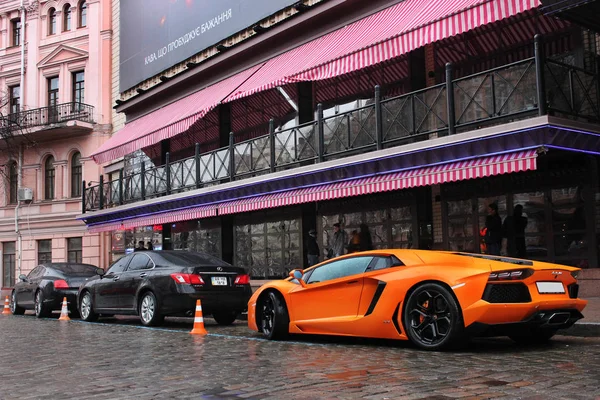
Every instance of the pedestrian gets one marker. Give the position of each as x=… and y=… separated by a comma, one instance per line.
x=340, y=238
x=149, y=246
x=513, y=230
x=365, y=240
x=354, y=243
x=312, y=248
x=493, y=230
x=140, y=246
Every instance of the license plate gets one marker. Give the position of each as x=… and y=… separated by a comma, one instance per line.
x=550, y=287
x=219, y=281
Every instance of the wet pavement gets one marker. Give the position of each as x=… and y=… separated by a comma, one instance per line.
x=118, y=358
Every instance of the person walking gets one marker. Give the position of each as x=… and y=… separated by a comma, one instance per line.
x=493, y=232
x=514, y=232
x=312, y=248
x=340, y=238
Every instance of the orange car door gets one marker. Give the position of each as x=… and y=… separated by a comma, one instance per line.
x=332, y=292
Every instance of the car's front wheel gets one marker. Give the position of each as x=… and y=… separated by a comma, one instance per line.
x=432, y=317
x=86, y=308
x=14, y=308
x=41, y=309
x=148, y=308
x=533, y=336
x=225, y=317
x=274, y=318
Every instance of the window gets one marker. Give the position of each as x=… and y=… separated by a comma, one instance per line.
x=9, y=263
x=13, y=177
x=78, y=89
x=118, y=266
x=15, y=99
x=67, y=18
x=52, y=21
x=384, y=262
x=74, y=252
x=82, y=14
x=76, y=177
x=339, y=269
x=36, y=273
x=52, y=99
x=49, y=174
x=16, y=31
x=140, y=261
x=44, y=251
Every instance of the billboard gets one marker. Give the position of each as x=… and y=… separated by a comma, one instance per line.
x=157, y=34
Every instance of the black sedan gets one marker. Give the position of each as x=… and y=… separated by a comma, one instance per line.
x=44, y=288
x=155, y=284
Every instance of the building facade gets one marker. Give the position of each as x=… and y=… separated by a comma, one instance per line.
x=55, y=78
x=407, y=118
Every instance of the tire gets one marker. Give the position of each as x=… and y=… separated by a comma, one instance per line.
x=148, y=310
x=534, y=336
x=41, y=309
x=432, y=318
x=274, y=319
x=225, y=317
x=86, y=308
x=14, y=308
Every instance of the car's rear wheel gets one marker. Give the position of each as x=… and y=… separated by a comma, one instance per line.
x=86, y=308
x=534, y=336
x=274, y=319
x=41, y=309
x=432, y=317
x=225, y=317
x=148, y=309
x=14, y=308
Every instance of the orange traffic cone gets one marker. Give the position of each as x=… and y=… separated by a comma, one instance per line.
x=64, y=311
x=198, y=321
x=6, y=310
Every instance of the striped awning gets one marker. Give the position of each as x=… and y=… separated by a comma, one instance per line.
x=169, y=120
x=157, y=219
x=385, y=35
x=452, y=172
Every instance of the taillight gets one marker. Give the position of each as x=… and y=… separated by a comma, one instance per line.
x=242, y=280
x=190, y=279
x=61, y=284
x=510, y=275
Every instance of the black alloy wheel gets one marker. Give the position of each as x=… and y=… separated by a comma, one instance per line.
x=148, y=310
x=274, y=319
x=41, y=309
x=432, y=317
x=14, y=308
x=534, y=336
x=86, y=308
x=225, y=317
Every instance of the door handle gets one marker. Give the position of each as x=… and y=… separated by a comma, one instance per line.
x=143, y=274
x=351, y=282
x=116, y=278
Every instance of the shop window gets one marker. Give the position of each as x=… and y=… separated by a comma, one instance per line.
x=535, y=231
x=203, y=236
x=461, y=229
x=569, y=227
x=8, y=264
x=44, y=251
x=74, y=250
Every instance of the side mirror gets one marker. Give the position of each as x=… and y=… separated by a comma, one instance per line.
x=99, y=271
x=23, y=278
x=297, y=274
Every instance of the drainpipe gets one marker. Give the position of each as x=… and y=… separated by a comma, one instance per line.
x=22, y=83
x=17, y=230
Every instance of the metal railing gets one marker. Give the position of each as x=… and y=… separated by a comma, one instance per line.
x=56, y=114
x=519, y=90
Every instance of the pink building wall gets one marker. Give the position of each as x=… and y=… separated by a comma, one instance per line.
x=86, y=49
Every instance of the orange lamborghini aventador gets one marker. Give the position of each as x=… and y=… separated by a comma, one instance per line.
x=434, y=299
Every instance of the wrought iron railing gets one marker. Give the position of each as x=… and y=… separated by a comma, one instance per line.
x=520, y=90
x=49, y=115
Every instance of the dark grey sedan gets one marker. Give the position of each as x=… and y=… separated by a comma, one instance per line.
x=155, y=284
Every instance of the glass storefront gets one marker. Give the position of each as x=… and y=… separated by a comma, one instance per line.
x=125, y=241
x=202, y=236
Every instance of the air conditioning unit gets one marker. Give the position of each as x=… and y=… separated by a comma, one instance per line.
x=25, y=194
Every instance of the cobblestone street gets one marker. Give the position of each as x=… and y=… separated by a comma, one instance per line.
x=120, y=359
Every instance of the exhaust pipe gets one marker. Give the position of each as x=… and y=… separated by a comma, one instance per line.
x=559, y=318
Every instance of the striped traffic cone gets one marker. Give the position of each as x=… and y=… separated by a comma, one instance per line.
x=64, y=311
x=6, y=310
x=198, y=321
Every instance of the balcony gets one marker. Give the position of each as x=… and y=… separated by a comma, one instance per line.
x=517, y=91
x=45, y=116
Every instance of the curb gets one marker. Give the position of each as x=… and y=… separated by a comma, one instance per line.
x=582, y=329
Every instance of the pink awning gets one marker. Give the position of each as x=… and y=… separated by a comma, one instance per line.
x=452, y=172
x=169, y=120
x=382, y=36
x=158, y=219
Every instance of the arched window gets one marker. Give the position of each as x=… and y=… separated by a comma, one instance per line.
x=51, y=21
x=82, y=14
x=49, y=175
x=13, y=178
x=67, y=18
x=76, y=175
